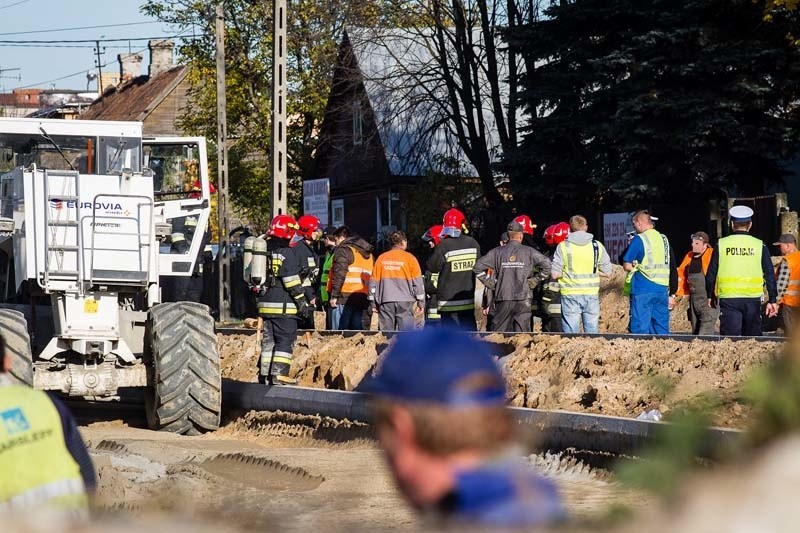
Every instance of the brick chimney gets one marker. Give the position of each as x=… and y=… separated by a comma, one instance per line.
x=130, y=66
x=160, y=56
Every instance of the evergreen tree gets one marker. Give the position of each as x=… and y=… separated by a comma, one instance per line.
x=637, y=100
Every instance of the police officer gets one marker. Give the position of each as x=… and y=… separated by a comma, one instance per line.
x=452, y=278
x=518, y=270
x=281, y=303
x=739, y=268
x=307, y=234
x=448, y=438
x=43, y=460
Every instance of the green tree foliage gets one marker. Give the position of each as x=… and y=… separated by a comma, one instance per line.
x=314, y=29
x=636, y=100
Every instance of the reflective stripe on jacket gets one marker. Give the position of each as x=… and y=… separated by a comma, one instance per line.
x=655, y=264
x=683, y=277
x=740, y=274
x=580, y=275
x=396, y=277
x=36, y=468
x=324, y=280
x=792, y=295
x=358, y=275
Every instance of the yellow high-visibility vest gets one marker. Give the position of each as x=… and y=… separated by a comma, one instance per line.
x=655, y=265
x=580, y=275
x=739, y=274
x=36, y=468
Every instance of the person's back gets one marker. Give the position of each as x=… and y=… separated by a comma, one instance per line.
x=44, y=465
x=451, y=264
x=396, y=286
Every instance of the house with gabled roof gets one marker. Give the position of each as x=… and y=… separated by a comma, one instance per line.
x=157, y=99
x=386, y=125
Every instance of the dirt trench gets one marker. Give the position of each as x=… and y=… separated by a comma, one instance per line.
x=620, y=377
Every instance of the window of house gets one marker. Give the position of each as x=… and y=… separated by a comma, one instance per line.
x=358, y=124
x=337, y=212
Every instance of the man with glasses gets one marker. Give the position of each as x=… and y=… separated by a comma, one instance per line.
x=692, y=282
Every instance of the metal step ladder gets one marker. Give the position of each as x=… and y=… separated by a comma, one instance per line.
x=62, y=236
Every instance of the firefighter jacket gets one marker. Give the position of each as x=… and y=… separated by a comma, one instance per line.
x=514, y=265
x=683, y=276
x=309, y=268
x=284, y=294
x=396, y=277
x=36, y=467
x=350, y=272
x=451, y=273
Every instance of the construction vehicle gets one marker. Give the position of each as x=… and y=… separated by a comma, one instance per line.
x=89, y=213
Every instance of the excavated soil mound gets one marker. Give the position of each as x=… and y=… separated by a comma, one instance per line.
x=620, y=377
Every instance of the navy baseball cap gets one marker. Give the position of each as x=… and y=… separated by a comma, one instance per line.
x=439, y=365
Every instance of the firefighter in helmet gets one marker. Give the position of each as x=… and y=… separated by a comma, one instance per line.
x=308, y=232
x=281, y=303
x=451, y=272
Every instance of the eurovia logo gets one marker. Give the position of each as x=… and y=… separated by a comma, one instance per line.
x=108, y=208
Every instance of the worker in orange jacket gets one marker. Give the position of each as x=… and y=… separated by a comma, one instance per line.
x=396, y=288
x=788, y=280
x=692, y=281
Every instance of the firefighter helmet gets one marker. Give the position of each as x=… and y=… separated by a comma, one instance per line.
x=283, y=227
x=527, y=224
x=433, y=235
x=556, y=234
x=453, y=223
x=308, y=224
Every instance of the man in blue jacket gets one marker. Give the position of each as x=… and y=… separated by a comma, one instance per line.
x=441, y=419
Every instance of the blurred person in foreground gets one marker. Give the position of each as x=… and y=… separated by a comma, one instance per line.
x=441, y=418
x=44, y=465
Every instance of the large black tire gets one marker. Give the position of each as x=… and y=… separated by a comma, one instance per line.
x=186, y=396
x=14, y=328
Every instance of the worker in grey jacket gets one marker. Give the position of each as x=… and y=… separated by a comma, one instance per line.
x=517, y=270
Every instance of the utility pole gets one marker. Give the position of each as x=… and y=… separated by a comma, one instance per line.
x=279, y=108
x=99, y=63
x=223, y=253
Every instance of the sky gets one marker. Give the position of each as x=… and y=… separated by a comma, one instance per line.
x=66, y=68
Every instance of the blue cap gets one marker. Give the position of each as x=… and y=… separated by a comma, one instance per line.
x=440, y=366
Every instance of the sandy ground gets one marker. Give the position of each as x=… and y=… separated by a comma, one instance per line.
x=614, y=377
x=277, y=471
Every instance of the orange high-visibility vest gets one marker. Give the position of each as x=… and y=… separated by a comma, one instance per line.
x=358, y=274
x=792, y=295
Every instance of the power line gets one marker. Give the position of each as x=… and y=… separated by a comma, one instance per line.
x=82, y=71
x=82, y=27
x=14, y=4
x=57, y=41
x=12, y=45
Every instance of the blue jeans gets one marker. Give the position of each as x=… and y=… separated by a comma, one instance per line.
x=650, y=313
x=580, y=308
x=348, y=317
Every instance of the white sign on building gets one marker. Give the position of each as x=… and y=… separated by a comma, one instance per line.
x=316, y=195
x=615, y=233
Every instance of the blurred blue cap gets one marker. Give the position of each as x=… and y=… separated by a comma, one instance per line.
x=440, y=366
